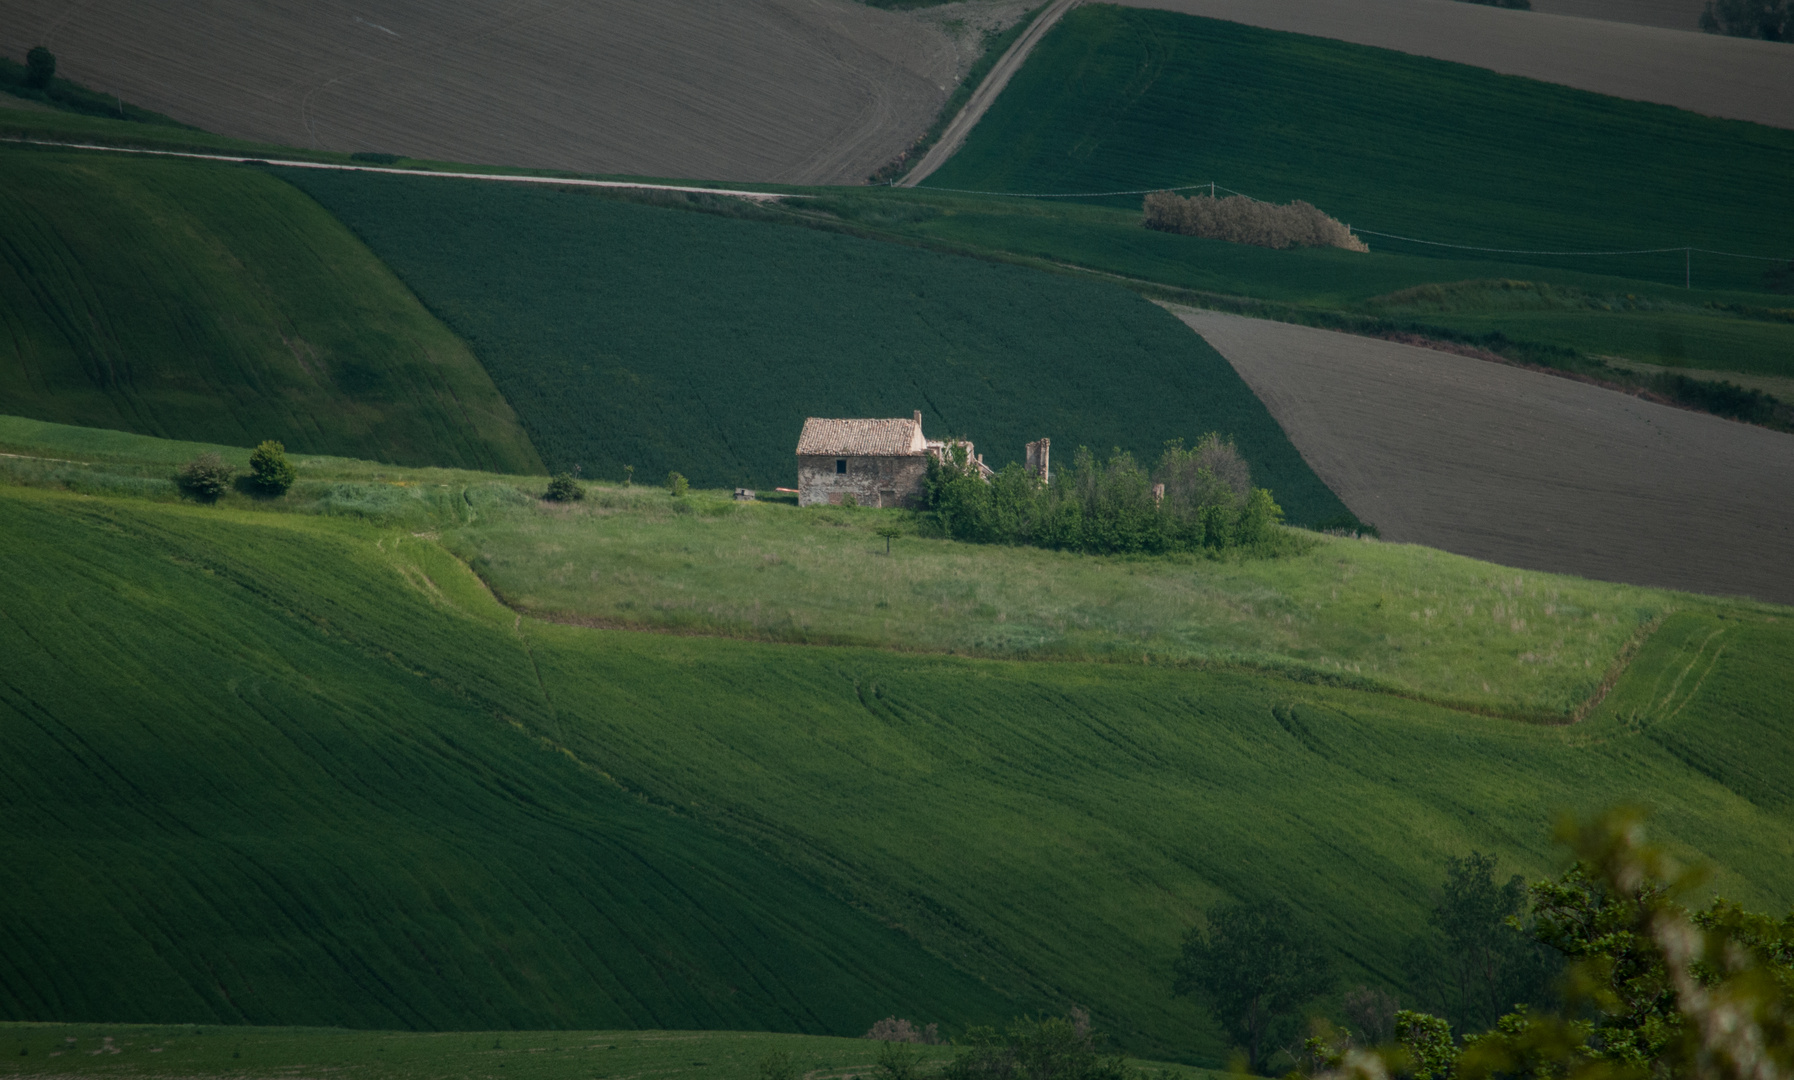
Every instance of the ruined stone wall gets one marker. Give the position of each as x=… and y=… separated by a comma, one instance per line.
x=873, y=481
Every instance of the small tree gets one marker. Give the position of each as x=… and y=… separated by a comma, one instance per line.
x=890, y=533
x=270, y=469
x=677, y=485
x=564, y=488
x=1255, y=967
x=40, y=68
x=206, y=477
x=629, y=476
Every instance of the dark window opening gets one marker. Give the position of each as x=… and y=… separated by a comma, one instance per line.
x=840, y=466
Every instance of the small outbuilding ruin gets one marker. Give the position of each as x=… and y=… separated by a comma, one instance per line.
x=879, y=462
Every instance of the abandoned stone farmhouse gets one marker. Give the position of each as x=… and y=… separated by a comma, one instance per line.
x=878, y=462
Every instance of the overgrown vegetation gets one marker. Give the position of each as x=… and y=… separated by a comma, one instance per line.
x=1770, y=20
x=1654, y=989
x=36, y=80
x=1241, y=220
x=215, y=303
x=581, y=309
x=1198, y=499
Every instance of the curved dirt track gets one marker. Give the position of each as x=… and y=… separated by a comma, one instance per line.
x=802, y=91
x=1525, y=469
x=1006, y=66
x=1718, y=76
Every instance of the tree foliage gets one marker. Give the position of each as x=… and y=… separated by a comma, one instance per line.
x=1770, y=20
x=40, y=68
x=1653, y=989
x=1050, y=1048
x=269, y=468
x=1255, y=967
x=1482, y=957
x=1207, y=502
x=206, y=477
x=564, y=488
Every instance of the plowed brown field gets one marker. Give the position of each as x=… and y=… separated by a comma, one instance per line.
x=1525, y=469
x=1705, y=73
x=792, y=90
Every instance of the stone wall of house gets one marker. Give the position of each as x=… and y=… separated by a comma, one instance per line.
x=873, y=481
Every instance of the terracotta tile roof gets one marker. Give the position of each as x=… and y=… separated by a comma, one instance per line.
x=860, y=438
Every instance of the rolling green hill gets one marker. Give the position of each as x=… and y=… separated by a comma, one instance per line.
x=632, y=335
x=207, y=302
x=1120, y=98
x=288, y=768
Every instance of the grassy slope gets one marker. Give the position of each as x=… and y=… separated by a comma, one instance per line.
x=1132, y=99
x=626, y=334
x=198, y=301
x=251, y=776
x=1418, y=622
x=1048, y=827
x=1125, y=98
x=126, y=1050
x=191, y=1051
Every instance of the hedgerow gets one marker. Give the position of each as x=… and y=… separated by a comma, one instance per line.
x=1199, y=499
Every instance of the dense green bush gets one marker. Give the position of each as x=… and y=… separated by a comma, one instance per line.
x=677, y=485
x=40, y=68
x=206, y=477
x=1052, y=1048
x=269, y=468
x=1198, y=499
x=1770, y=20
x=564, y=488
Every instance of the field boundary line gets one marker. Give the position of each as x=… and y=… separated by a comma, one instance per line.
x=986, y=94
x=489, y=177
x=1621, y=664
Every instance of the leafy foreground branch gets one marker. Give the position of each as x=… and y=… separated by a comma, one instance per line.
x=1196, y=500
x=1654, y=990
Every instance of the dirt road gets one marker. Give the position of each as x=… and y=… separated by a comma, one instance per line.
x=1524, y=469
x=802, y=91
x=979, y=103
x=1717, y=76
x=503, y=178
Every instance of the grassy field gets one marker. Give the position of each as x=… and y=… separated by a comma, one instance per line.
x=124, y=1050
x=328, y=779
x=1121, y=99
x=199, y=301
x=626, y=334
x=1408, y=619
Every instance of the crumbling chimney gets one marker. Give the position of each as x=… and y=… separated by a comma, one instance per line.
x=918, y=417
x=1037, y=460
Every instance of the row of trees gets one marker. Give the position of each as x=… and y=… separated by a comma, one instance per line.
x=1198, y=498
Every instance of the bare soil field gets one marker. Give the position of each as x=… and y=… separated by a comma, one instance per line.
x=1727, y=77
x=805, y=91
x=1525, y=469
x=1668, y=14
